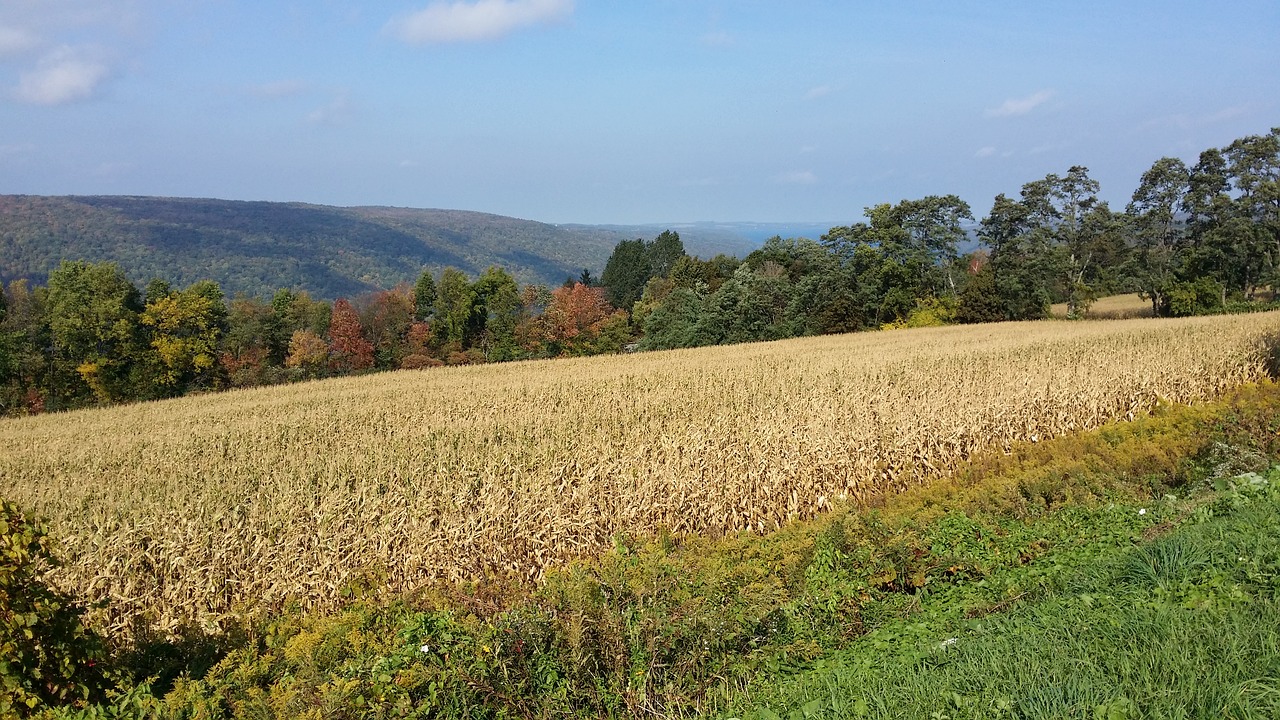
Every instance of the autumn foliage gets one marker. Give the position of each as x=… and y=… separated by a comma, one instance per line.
x=349, y=351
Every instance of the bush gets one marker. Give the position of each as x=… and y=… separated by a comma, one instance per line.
x=1201, y=297
x=47, y=655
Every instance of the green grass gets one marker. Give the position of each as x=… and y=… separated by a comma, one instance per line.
x=1183, y=625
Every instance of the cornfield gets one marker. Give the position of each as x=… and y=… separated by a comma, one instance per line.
x=201, y=509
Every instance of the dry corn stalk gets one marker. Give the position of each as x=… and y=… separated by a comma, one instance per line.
x=197, y=509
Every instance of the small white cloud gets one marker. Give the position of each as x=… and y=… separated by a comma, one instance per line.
x=15, y=41
x=408, y=163
x=699, y=182
x=334, y=113
x=62, y=76
x=1020, y=106
x=817, y=92
x=807, y=149
x=987, y=151
x=279, y=89
x=442, y=22
x=800, y=177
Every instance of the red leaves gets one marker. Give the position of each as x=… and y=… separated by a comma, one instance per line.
x=348, y=350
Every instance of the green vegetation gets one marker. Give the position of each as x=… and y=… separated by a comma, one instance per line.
x=256, y=248
x=1074, y=575
x=1193, y=241
x=1177, y=625
x=47, y=655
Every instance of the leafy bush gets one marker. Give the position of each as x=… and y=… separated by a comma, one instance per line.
x=1201, y=297
x=47, y=655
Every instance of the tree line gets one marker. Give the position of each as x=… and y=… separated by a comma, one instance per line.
x=1194, y=239
x=91, y=337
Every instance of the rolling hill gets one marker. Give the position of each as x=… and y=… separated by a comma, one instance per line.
x=257, y=247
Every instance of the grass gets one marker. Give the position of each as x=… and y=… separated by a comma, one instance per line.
x=1180, y=626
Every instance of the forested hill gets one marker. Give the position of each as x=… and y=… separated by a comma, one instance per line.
x=258, y=247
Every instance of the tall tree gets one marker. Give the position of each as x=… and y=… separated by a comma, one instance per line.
x=31, y=363
x=1022, y=264
x=1253, y=165
x=93, y=320
x=495, y=314
x=455, y=303
x=574, y=317
x=903, y=252
x=349, y=351
x=664, y=252
x=184, y=330
x=386, y=316
x=424, y=296
x=626, y=273
x=1158, y=232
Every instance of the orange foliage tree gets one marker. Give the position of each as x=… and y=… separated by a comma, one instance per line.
x=575, y=318
x=348, y=350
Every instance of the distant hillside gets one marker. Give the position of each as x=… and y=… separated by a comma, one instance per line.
x=257, y=247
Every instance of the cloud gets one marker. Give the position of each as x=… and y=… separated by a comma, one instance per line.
x=443, y=22
x=16, y=41
x=987, y=151
x=1020, y=106
x=817, y=92
x=800, y=177
x=62, y=76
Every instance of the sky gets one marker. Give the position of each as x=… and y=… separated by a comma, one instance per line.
x=612, y=111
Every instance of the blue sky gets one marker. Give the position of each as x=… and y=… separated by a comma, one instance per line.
x=620, y=112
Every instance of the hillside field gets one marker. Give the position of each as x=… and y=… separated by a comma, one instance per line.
x=203, y=508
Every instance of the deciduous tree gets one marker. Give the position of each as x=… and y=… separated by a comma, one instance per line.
x=349, y=351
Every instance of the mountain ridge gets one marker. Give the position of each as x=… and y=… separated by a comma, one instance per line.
x=255, y=247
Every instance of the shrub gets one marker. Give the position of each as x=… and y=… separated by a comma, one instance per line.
x=47, y=655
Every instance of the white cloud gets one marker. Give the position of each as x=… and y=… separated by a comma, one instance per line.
x=1020, y=106
x=987, y=151
x=817, y=92
x=442, y=22
x=800, y=177
x=62, y=76
x=16, y=41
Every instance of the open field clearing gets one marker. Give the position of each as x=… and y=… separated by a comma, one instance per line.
x=1112, y=307
x=196, y=509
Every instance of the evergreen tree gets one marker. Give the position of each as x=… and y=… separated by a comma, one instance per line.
x=626, y=273
x=424, y=296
